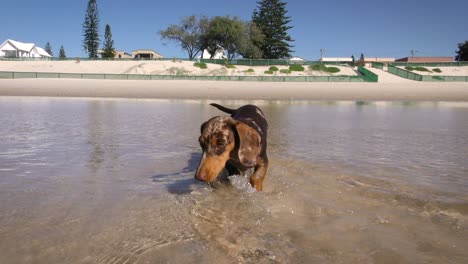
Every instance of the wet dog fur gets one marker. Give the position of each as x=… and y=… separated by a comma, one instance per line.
x=234, y=143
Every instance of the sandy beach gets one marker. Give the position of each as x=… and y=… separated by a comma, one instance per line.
x=389, y=87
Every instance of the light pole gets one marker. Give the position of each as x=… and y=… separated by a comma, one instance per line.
x=413, y=52
x=321, y=55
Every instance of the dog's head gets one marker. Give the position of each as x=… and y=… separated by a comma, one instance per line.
x=220, y=137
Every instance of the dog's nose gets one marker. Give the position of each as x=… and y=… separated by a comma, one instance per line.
x=201, y=176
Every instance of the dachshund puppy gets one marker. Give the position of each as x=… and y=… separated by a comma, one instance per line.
x=236, y=143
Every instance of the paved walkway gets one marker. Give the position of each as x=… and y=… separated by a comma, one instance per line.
x=386, y=77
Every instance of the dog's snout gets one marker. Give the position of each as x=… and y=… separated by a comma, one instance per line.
x=201, y=176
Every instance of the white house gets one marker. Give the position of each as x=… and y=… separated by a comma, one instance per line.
x=329, y=59
x=296, y=59
x=15, y=49
x=219, y=54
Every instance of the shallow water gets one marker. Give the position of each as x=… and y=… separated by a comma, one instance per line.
x=111, y=181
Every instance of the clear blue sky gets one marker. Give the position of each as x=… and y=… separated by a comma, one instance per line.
x=384, y=28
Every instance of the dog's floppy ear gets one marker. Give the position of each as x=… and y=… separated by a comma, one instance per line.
x=249, y=144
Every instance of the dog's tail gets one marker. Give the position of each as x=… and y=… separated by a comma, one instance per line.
x=224, y=109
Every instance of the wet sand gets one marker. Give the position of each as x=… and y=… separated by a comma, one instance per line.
x=393, y=89
x=111, y=181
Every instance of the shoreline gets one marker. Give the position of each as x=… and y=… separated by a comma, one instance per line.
x=236, y=90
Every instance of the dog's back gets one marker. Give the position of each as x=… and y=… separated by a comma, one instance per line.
x=250, y=115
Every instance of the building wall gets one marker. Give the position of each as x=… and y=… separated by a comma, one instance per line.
x=119, y=54
x=6, y=47
x=426, y=59
x=347, y=59
x=148, y=54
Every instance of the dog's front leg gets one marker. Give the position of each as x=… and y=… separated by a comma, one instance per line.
x=256, y=180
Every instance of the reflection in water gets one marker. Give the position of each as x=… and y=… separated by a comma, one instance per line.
x=111, y=181
x=180, y=182
x=95, y=136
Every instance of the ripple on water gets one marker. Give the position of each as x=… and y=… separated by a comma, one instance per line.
x=93, y=181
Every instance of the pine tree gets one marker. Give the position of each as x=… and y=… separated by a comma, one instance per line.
x=271, y=18
x=62, y=53
x=462, y=52
x=90, y=30
x=48, y=49
x=109, y=50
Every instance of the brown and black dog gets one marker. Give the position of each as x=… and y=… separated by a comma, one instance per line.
x=236, y=143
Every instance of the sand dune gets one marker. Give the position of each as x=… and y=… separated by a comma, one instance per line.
x=389, y=87
x=176, y=67
x=446, y=71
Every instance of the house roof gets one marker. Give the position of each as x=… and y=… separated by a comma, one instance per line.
x=295, y=58
x=374, y=59
x=426, y=59
x=42, y=52
x=21, y=46
x=144, y=51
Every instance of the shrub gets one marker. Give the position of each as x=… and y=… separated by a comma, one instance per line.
x=437, y=70
x=200, y=65
x=317, y=67
x=332, y=69
x=268, y=72
x=249, y=70
x=296, y=67
x=321, y=67
x=419, y=68
x=287, y=71
x=230, y=66
x=274, y=68
x=409, y=68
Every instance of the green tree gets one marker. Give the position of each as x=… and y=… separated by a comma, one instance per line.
x=48, y=49
x=270, y=17
x=62, y=53
x=234, y=35
x=462, y=52
x=90, y=30
x=109, y=50
x=188, y=34
x=251, y=41
x=224, y=32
